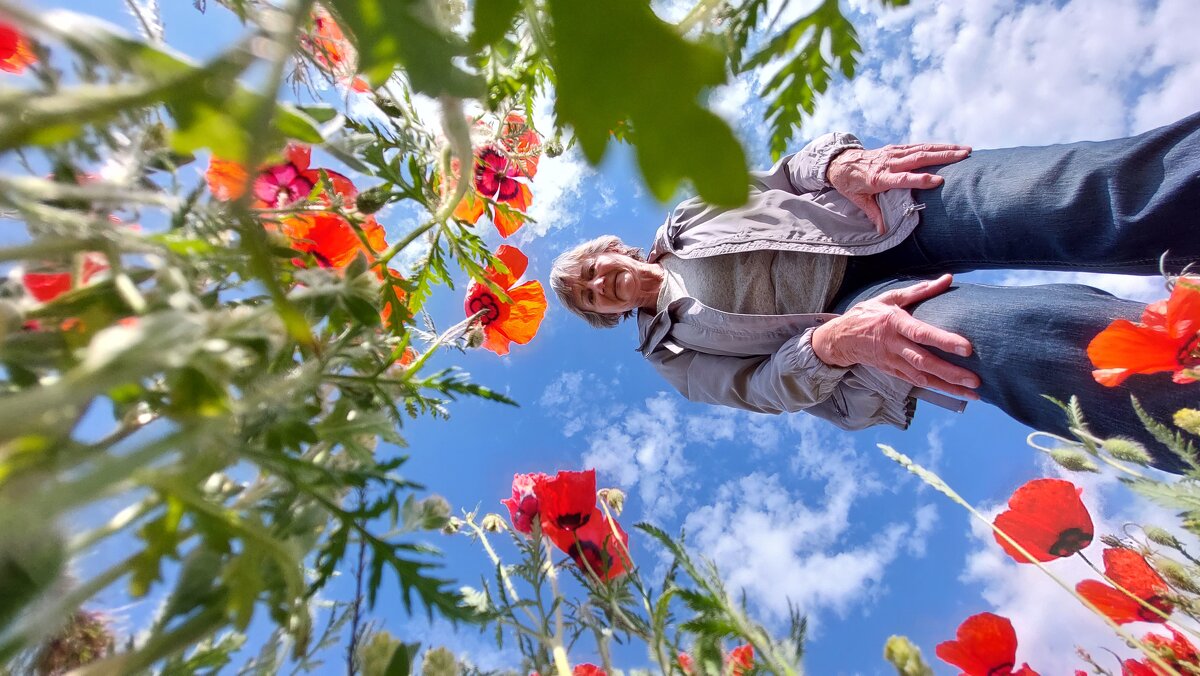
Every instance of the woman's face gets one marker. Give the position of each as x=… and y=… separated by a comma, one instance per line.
x=609, y=283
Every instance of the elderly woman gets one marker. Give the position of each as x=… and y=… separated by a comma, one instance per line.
x=823, y=292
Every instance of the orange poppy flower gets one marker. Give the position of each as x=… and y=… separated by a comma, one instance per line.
x=592, y=546
x=588, y=670
x=332, y=240
x=740, y=660
x=1128, y=569
x=15, y=53
x=46, y=286
x=515, y=321
x=986, y=645
x=1047, y=518
x=1167, y=339
x=1177, y=651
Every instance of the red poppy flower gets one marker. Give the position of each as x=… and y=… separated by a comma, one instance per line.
x=592, y=546
x=986, y=645
x=588, y=670
x=740, y=659
x=686, y=663
x=46, y=286
x=566, y=500
x=276, y=185
x=332, y=240
x=1167, y=339
x=15, y=54
x=1177, y=651
x=516, y=321
x=1128, y=569
x=1046, y=517
x=523, y=505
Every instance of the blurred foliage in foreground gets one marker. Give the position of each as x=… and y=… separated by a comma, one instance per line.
x=204, y=371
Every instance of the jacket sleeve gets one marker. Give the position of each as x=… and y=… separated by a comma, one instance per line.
x=806, y=169
x=792, y=379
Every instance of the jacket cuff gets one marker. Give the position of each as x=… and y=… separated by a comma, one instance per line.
x=808, y=168
x=804, y=363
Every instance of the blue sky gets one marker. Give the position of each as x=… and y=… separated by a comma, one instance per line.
x=788, y=506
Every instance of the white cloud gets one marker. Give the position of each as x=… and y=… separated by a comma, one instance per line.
x=1038, y=607
x=783, y=546
x=558, y=194
x=995, y=73
x=1145, y=289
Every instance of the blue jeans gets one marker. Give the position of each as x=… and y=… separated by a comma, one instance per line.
x=1113, y=206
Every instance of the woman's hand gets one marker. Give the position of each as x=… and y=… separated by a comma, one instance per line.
x=859, y=174
x=879, y=332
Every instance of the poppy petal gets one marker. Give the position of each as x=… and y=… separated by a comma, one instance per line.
x=525, y=313
x=1112, y=602
x=226, y=179
x=1139, y=349
x=515, y=260
x=985, y=644
x=507, y=222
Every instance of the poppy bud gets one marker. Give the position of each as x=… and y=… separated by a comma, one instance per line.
x=614, y=498
x=1127, y=450
x=1188, y=419
x=453, y=525
x=373, y=199
x=1073, y=460
x=1161, y=536
x=493, y=523
x=905, y=656
x=1176, y=573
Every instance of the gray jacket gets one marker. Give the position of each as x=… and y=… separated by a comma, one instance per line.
x=766, y=363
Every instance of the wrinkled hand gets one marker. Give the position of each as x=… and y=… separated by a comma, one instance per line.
x=879, y=332
x=860, y=174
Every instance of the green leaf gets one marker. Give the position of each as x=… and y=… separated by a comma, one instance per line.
x=319, y=112
x=492, y=19
x=393, y=33
x=1177, y=442
x=652, y=78
x=793, y=90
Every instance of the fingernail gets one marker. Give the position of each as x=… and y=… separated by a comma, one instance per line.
x=963, y=351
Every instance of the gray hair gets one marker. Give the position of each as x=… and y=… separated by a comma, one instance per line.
x=565, y=272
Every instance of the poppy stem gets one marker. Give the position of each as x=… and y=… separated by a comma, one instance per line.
x=561, y=664
x=937, y=483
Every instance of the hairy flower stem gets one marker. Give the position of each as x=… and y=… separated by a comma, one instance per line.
x=557, y=650
x=942, y=487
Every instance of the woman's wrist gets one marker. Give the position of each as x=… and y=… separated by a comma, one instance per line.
x=824, y=341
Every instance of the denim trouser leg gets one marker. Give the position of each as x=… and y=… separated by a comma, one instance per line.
x=1032, y=340
x=1110, y=206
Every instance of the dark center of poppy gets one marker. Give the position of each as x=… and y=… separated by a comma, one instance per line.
x=572, y=521
x=486, y=302
x=1158, y=601
x=1001, y=669
x=1189, y=354
x=1070, y=541
x=590, y=557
